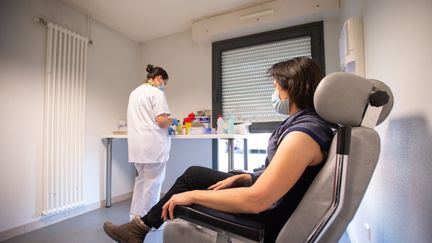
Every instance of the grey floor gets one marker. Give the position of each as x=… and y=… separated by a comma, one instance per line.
x=85, y=228
x=88, y=228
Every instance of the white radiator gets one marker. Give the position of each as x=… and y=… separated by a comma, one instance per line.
x=64, y=119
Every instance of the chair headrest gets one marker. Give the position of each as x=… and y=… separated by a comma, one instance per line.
x=342, y=98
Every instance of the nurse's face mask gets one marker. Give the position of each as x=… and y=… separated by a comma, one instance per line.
x=280, y=106
x=162, y=84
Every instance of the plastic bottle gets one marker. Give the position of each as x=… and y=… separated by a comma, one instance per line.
x=231, y=124
x=220, y=125
x=179, y=130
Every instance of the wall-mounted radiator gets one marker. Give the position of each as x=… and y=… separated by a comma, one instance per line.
x=64, y=120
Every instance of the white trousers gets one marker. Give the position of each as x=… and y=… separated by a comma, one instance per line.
x=147, y=187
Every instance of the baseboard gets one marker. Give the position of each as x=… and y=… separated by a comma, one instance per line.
x=117, y=199
x=44, y=221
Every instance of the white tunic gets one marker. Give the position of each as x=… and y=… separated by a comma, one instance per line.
x=147, y=142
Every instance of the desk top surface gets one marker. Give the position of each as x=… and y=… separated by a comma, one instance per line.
x=195, y=136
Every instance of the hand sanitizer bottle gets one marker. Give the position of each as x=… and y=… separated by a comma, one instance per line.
x=231, y=124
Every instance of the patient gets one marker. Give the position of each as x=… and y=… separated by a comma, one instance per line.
x=296, y=151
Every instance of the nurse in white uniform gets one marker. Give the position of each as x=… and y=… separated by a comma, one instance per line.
x=148, y=140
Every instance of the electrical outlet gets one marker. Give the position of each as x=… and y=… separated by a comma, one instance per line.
x=368, y=232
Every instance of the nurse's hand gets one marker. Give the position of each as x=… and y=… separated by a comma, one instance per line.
x=228, y=182
x=163, y=121
x=184, y=198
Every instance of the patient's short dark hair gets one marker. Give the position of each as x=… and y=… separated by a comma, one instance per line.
x=300, y=76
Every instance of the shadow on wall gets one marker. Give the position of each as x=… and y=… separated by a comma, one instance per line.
x=403, y=183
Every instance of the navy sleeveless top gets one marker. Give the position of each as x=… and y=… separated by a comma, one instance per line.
x=309, y=122
x=306, y=121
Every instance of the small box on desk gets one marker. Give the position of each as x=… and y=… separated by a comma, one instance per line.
x=199, y=130
x=203, y=120
x=120, y=132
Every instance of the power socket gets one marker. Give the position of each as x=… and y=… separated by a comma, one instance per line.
x=368, y=232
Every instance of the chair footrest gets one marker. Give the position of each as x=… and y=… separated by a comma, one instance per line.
x=218, y=221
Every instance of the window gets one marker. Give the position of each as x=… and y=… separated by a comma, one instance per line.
x=257, y=152
x=242, y=88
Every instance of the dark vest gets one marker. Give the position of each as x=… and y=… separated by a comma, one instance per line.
x=309, y=122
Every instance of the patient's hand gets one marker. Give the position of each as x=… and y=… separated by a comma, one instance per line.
x=184, y=198
x=228, y=182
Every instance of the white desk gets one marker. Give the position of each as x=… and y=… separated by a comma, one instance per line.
x=110, y=137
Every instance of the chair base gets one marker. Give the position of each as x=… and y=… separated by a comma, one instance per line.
x=180, y=230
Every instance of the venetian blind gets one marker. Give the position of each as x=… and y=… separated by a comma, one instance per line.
x=246, y=86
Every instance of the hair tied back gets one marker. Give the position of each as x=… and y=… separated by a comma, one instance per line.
x=150, y=68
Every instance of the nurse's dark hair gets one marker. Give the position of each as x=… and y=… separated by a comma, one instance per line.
x=300, y=76
x=153, y=72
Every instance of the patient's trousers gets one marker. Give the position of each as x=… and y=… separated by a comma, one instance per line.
x=200, y=178
x=194, y=178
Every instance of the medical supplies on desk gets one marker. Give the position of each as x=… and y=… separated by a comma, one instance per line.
x=187, y=121
x=230, y=128
x=220, y=125
x=200, y=130
x=202, y=121
x=197, y=123
x=122, y=128
x=242, y=128
x=174, y=128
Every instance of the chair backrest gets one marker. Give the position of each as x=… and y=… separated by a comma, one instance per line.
x=340, y=98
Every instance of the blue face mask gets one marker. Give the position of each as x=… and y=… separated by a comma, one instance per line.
x=279, y=106
x=162, y=87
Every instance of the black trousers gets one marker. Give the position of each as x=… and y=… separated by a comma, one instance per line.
x=194, y=178
x=200, y=178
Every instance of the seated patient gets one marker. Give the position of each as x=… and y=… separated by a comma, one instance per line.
x=296, y=151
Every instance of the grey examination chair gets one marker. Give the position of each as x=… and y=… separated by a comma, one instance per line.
x=357, y=105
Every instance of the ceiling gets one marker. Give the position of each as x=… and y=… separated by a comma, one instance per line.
x=143, y=20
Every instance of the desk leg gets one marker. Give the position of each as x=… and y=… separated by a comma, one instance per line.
x=230, y=154
x=108, y=173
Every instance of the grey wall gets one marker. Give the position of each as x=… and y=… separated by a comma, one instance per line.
x=398, y=203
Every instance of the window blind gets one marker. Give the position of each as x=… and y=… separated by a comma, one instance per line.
x=246, y=86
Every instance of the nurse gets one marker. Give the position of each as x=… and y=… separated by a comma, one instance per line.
x=148, y=140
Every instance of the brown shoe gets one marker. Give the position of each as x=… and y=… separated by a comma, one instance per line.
x=132, y=232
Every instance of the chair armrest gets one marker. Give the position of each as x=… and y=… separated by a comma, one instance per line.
x=216, y=220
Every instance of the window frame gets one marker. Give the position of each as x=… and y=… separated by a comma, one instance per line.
x=314, y=30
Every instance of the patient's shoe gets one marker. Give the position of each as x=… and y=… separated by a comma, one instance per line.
x=132, y=232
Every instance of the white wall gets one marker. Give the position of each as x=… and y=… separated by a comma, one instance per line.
x=397, y=37
x=331, y=48
x=113, y=71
